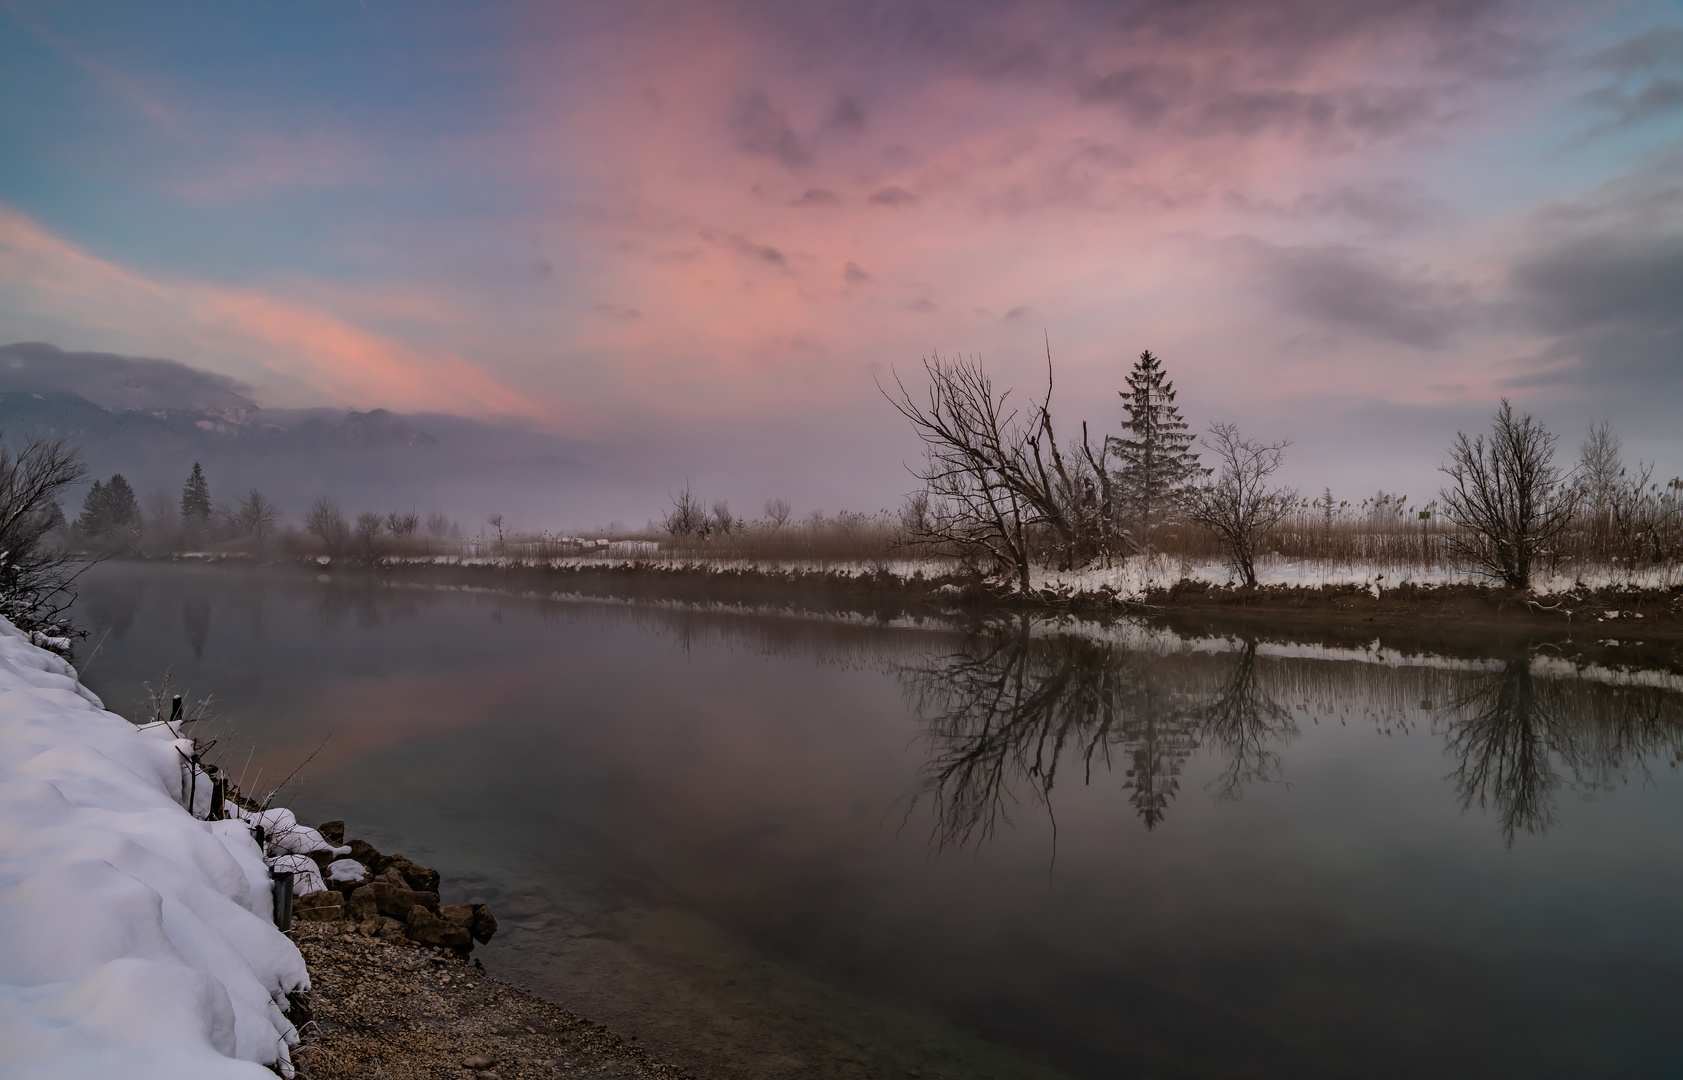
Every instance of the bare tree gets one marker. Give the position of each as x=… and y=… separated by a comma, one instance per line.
x=777, y=512
x=1241, y=506
x=256, y=516
x=438, y=524
x=366, y=531
x=723, y=519
x=37, y=578
x=997, y=485
x=325, y=521
x=1645, y=522
x=687, y=514
x=161, y=517
x=403, y=524
x=1507, y=496
x=1600, y=475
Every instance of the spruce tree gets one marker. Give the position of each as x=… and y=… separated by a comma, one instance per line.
x=95, y=518
x=195, y=499
x=1156, y=463
x=124, y=507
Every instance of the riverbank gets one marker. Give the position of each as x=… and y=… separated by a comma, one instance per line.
x=383, y=1009
x=1442, y=605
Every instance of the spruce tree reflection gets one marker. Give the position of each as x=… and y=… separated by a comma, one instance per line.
x=1003, y=713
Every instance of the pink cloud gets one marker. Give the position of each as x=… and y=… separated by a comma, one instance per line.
x=310, y=354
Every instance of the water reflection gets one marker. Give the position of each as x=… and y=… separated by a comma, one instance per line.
x=682, y=809
x=1519, y=739
x=1002, y=713
x=1007, y=709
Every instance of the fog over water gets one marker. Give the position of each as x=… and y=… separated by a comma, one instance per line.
x=776, y=846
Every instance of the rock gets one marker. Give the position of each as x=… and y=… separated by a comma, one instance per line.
x=333, y=832
x=322, y=859
x=475, y=918
x=364, y=852
x=479, y=1061
x=320, y=912
x=362, y=904
x=325, y=906
x=484, y=924
x=389, y=929
x=417, y=877
x=392, y=901
x=425, y=928
x=421, y=878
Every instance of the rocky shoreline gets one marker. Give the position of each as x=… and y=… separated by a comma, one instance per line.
x=396, y=995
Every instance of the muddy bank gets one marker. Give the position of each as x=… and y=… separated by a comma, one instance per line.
x=1434, y=613
x=1447, y=619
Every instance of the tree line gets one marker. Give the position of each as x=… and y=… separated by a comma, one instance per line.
x=1001, y=493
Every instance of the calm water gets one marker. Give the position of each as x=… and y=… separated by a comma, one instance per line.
x=770, y=846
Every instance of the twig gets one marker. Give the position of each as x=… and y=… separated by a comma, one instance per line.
x=306, y=761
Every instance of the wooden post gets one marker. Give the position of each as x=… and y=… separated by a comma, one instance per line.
x=175, y=709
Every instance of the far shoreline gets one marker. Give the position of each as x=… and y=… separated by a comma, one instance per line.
x=1454, y=616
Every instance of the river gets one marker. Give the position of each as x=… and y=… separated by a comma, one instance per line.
x=770, y=846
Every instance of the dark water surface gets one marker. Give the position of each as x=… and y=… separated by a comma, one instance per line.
x=768, y=846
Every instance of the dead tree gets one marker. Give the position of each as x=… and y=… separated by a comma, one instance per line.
x=1508, y=497
x=1241, y=506
x=996, y=485
x=687, y=514
x=36, y=576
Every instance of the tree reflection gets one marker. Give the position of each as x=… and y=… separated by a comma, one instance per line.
x=1247, y=725
x=1001, y=716
x=1520, y=738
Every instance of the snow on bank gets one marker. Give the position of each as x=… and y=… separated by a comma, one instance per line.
x=1136, y=577
x=135, y=940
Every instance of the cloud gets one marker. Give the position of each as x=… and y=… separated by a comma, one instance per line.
x=1346, y=288
x=1144, y=93
x=118, y=382
x=762, y=130
x=894, y=195
x=853, y=275
x=1018, y=313
x=46, y=280
x=848, y=116
x=1647, y=72
x=817, y=197
x=1387, y=206
x=1603, y=283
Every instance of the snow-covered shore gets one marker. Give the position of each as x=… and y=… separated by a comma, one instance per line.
x=135, y=940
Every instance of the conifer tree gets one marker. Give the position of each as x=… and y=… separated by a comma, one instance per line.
x=108, y=508
x=124, y=507
x=1156, y=462
x=195, y=499
x=94, y=519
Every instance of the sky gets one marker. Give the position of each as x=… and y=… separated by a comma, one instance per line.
x=698, y=235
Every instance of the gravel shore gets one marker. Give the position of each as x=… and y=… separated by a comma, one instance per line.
x=390, y=1010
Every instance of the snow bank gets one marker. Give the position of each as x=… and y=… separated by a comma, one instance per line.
x=135, y=940
x=1136, y=577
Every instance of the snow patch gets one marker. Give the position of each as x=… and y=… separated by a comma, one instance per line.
x=135, y=939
